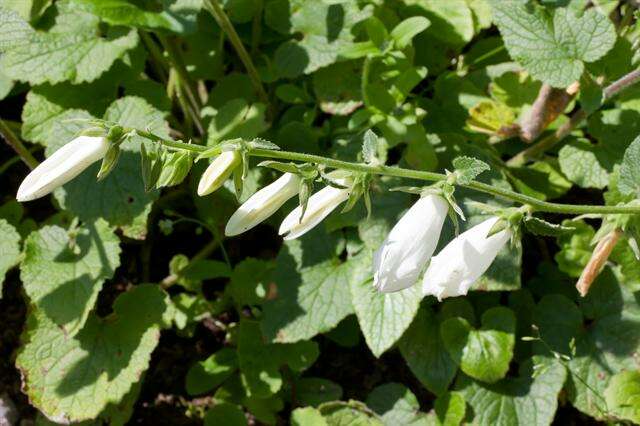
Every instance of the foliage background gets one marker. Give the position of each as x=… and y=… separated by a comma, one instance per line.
x=126, y=305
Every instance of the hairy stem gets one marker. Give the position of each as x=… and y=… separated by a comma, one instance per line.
x=15, y=143
x=213, y=6
x=546, y=143
x=534, y=203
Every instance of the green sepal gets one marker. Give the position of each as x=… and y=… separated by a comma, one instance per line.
x=175, y=167
x=109, y=161
x=500, y=225
x=306, y=187
x=238, y=181
x=259, y=143
x=151, y=164
x=417, y=190
x=541, y=227
x=305, y=170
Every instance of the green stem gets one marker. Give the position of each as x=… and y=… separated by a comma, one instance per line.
x=157, y=60
x=364, y=83
x=223, y=20
x=534, y=203
x=185, y=85
x=15, y=143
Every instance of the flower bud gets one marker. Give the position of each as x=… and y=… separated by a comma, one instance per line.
x=463, y=261
x=218, y=171
x=399, y=261
x=319, y=206
x=65, y=164
x=262, y=204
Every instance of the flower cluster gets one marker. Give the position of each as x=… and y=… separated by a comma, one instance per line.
x=80, y=153
x=398, y=263
x=404, y=254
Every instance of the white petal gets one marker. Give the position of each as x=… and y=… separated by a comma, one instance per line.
x=262, y=204
x=62, y=166
x=218, y=171
x=319, y=206
x=410, y=244
x=463, y=261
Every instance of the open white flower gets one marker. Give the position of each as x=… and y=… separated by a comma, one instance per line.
x=398, y=262
x=319, y=206
x=262, y=204
x=463, y=261
x=218, y=171
x=65, y=164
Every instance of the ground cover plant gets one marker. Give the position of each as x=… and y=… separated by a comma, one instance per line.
x=319, y=212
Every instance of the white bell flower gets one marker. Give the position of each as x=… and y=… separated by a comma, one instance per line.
x=218, y=172
x=319, y=206
x=463, y=261
x=262, y=204
x=397, y=264
x=65, y=164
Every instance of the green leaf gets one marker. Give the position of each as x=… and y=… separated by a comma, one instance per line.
x=237, y=119
x=122, y=12
x=337, y=88
x=369, y=146
x=405, y=31
x=310, y=286
x=575, y=248
x=623, y=395
x=63, y=271
x=581, y=163
x=591, y=95
x=629, y=181
x=120, y=198
x=516, y=401
x=73, y=378
x=324, y=29
x=206, y=375
x=606, y=345
x=226, y=414
x=349, y=413
x=424, y=351
x=75, y=53
x=483, y=354
x=9, y=249
x=383, y=317
x=396, y=405
x=467, y=168
x=260, y=362
x=451, y=21
x=449, y=409
x=49, y=111
x=538, y=226
x=307, y=416
x=553, y=46
x=250, y=281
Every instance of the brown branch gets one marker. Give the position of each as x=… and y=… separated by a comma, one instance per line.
x=598, y=258
x=576, y=118
x=550, y=103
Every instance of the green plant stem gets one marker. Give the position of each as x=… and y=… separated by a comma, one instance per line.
x=14, y=142
x=191, y=104
x=534, y=203
x=364, y=82
x=157, y=59
x=548, y=142
x=213, y=6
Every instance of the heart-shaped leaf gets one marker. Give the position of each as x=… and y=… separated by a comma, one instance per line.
x=483, y=354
